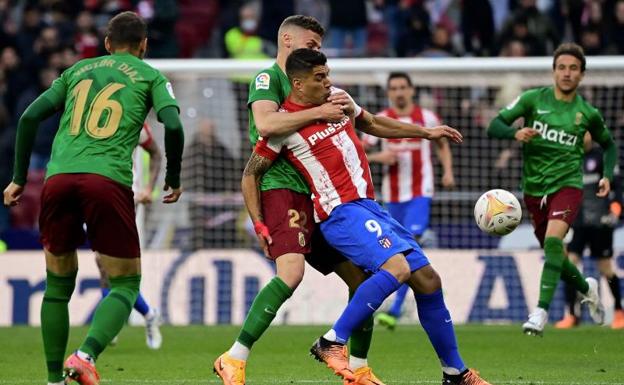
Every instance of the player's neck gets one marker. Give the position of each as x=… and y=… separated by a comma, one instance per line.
x=405, y=111
x=281, y=60
x=564, y=97
x=121, y=51
x=300, y=101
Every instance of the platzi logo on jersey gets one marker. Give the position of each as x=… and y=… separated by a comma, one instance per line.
x=552, y=135
x=332, y=128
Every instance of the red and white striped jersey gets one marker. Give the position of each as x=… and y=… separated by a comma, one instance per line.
x=331, y=158
x=412, y=175
x=138, y=163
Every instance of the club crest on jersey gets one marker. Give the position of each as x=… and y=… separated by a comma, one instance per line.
x=262, y=81
x=332, y=128
x=552, y=135
x=579, y=118
x=385, y=242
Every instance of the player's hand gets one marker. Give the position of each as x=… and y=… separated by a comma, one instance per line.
x=343, y=99
x=173, y=196
x=448, y=180
x=445, y=132
x=525, y=134
x=604, y=187
x=264, y=238
x=12, y=194
x=331, y=112
x=386, y=157
x=144, y=197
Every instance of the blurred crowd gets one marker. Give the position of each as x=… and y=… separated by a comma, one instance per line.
x=41, y=38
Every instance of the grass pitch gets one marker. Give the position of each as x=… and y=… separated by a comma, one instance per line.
x=587, y=355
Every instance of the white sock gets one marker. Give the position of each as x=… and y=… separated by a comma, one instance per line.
x=56, y=383
x=151, y=313
x=85, y=357
x=239, y=351
x=356, y=362
x=330, y=335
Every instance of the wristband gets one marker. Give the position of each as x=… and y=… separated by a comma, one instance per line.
x=261, y=229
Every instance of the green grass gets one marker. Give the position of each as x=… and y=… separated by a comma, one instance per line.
x=587, y=355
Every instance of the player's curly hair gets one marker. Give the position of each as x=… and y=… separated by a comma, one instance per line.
x=306, y=22
x=571, y=49
x=126, y=29
x=303, y=60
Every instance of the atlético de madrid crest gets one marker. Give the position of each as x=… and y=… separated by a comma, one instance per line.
x=385, y=242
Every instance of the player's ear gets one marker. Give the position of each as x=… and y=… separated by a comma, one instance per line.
x=286, y=39
x=107, y=45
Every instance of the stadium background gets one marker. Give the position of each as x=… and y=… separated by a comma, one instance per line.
x=200, y=263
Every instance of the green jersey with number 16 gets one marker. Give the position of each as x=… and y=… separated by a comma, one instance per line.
x=106, y=101
x=553, y=159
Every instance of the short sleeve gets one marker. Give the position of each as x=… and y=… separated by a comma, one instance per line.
x=265, y=86
x=58, y=90
x=268, y=148
x=162, y=94
x=521, y=106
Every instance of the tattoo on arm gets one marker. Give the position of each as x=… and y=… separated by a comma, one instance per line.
x=257, y=165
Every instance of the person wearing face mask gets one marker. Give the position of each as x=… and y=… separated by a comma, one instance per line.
x=243, y=42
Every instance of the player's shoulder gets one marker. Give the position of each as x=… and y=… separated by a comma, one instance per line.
x=263, y=78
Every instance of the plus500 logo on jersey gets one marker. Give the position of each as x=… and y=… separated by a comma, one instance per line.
x=552, y=135
x=332, y=128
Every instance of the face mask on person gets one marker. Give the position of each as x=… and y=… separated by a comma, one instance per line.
x=249, y=25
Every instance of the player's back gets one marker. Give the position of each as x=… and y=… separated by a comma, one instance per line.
x=106, y=101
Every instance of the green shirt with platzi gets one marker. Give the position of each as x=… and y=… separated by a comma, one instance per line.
x=272, y=84
x=106, y=100
x=554, y=159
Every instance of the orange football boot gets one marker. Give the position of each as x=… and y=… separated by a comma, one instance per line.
x=231, y=370
x=567, y=322
x=80, y=370
x=335, y=356
x=364, y=376
x=618, y=319
x=470, y=378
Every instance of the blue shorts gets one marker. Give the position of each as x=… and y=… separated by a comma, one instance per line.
x=368, y=236
x=412, y=214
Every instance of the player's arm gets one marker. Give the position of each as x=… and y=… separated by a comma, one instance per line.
x=42, y=108
x=270, y=122
x=174, y=145
x=155, y=159
x=501, y=126
x=256, y=167
x=384, y=127
x=600, y=133
x=445, y=156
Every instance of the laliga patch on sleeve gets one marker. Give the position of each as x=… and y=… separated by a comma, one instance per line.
x=170, y=89
x=262, y=81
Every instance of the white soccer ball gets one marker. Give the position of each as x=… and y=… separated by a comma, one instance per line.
x=498, y=212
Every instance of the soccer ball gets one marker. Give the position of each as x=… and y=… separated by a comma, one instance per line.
x=497, y=212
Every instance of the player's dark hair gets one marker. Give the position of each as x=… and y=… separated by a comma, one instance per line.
x=302, y=61
x=306, y=22
x=399, y=75
x=126, y=29
x=571, y=49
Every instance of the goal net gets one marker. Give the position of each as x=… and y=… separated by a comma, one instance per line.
x=466, y=93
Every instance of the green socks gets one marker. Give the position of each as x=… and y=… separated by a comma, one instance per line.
x=55, y=321
x=551, y=272
x=361, y=337
x=263, y=310
x=111, y=314
x=571, y=275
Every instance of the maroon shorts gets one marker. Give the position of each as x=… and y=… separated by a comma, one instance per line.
x=290, y=218
x=563, y=205
x=69, y=201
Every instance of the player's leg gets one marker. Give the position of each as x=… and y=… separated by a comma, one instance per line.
x=287, y=217
x=108, y=210
x=575, y=250
x=360, y=233
x=59, y=210
x=602, y=252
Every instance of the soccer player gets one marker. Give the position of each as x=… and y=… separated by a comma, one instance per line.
x=142, y=196
x=288, y=213
x=407, y=184
x=593, y=228
x=555, y=120
x=332, y=159
x=89, y=178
